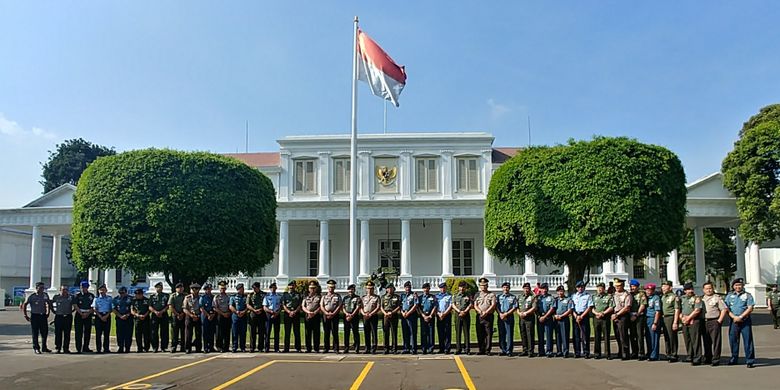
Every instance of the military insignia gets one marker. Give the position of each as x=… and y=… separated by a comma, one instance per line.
x=386, y=175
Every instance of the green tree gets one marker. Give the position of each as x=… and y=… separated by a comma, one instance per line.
x=720, y=255
x=584, y=202
x=71, y=158
x=190, y=215
x=750, y=172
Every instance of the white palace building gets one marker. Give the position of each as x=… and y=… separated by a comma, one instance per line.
x=421, y=199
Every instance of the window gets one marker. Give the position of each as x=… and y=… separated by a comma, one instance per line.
x=468, y=174
x=662, y=268
x=385, y=175
x=390, y=254
x=639, y=269
x=341, y=175
x=425, y=172
x=462, y=257
x=119, y=275
x=304, y=176
x=313, y=256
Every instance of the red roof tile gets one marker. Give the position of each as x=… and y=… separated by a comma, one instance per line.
x=257, y=160
x=501, y=154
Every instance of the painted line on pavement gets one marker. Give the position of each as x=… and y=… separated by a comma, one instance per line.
x=162, y=373
x=362, y=376
x=465, y=374
x=244, y=375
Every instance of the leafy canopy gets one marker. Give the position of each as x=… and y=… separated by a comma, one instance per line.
x=190, y=215
x=71, y=158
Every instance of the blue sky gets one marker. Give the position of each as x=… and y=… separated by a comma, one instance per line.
x=187, y=75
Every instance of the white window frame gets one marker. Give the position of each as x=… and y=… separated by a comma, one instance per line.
x=304, y=182
x=429, y=181
x=468, y=183
x=345, y=175
x=393, y=261
x=459, y=268
x=314, y=271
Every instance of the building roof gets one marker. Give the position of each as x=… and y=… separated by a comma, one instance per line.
x=501, y=154
x=257, y=160
x=60, y=196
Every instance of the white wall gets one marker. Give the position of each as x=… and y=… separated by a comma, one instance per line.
x=15, y=248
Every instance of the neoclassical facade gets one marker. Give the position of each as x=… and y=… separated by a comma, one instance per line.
x=420, y=209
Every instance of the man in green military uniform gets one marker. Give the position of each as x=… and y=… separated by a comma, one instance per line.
x=637, y=320
x=176, y=304
x=143, y=329
x=158, y=305
x=603, y=306
x=391, y=305
x=351, y=309
x=462, y=305
x=527, y=313
x=691, y=312
x=670, y=310
x=773, y=302
x=254, y=303
x=291, y=304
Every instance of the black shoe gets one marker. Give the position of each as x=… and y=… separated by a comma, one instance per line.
x=156, y=350
x=165, y=349
x=173, y=350
x=87, y=350
x=67, y=351
x=696, y=363
x=37, y=351
x=750, y=365
x=674, y=360
x=609, y=357
x=715, y=363
x=732, y=363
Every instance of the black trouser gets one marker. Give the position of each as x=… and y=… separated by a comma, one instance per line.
x=331, y=328
x=83, y=331
x=692, y=338
x=670, y=338
x=160, y=331
x=636, y=333
x=581, y=332
x=272, y=323
x=621, y=336
x=351, y=327
x=40, y=326
x=527, y=325
x=256, y=331
x=776, y=317
x=444, y=330
x=124, y=333
x=312, y=326
x=485, y=333
x=177, y=332
x=224, y=327
x=102, y=330
x=207, y=327
x=143, y=334
x=427, y=334
x=409, y=332
x=370, y=330
x=463, y=333
x=712, y=340
x=62, y=327
x=192, y=327
x=292, y=325
x=390, y=331
x=602, y=327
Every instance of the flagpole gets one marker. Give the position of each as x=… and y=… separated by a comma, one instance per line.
x=353, y=163
x=385, y=117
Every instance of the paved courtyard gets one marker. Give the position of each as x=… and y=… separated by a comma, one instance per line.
x=22, y=369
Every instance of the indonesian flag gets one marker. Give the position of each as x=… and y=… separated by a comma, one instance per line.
x=385, y=78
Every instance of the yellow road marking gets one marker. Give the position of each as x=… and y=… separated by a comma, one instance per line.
x=362, y=376
x=244, y=375
x=465, y=374
x=320, y=361
x=162, y=373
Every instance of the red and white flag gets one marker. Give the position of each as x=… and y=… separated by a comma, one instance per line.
x=385, y=78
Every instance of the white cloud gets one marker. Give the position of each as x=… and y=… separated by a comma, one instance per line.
x=497, y=110
x=11, y=128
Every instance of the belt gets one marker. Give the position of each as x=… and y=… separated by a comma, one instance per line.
x=102, y=313
x=63, y=315
x=712, y=319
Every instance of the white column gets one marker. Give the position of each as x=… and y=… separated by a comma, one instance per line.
x=446, y=175
x=35, y=258
x=285, y=175
x=406, y=249
x=284, y=259
x=364, y=247
x=740, y=244
x=405, y=179
x=324, y=175
x=110, y=277
x=56, y=263
x=606, y=267
x=487, y=169
x=754, y=273
x=620, y=265
x=698, y=236
x=324, y=264
x=446, y=247
x=487, y=263
x=672, y=267
x=92, y=275
x=530, y=265
x=566, y=271
x=365, y=175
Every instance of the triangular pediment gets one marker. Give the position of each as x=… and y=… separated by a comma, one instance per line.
x=709, y=187
x=61, y=196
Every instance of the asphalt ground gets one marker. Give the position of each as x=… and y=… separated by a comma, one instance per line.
x=20, y=368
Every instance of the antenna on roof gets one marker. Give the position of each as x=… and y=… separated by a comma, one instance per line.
x=529, y=131
x=246, y=144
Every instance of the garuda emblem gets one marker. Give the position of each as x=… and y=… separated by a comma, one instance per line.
x=386, y=175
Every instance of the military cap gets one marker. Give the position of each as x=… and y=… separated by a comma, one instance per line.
x=688, y=286
x=407, y=284
x=619, y=282
x=273, y=285
x=506, y=284
x=667, y=283
x=139, y=291
x=102, y=286
x=544, y=286
x=560, y=288
x=222, y=283
x=331, y=282
x=737, y=280
x=351, y=287
x=39, y=284
x=483, y=281
x=526, y=284
x=462, y=283
x=369, y=284
x=292, y=283
x=633, y=282
x=389, y=286
x=256, y=284
x=580, y=283
x=650, y=286
x=208, y=286
x=123, y=289
x=426, y=285
x=240, y=285
x=195, y=285
x=601, y=284
x=442, y=285
x=158, y=284
x=180, y=284
x=312, y=284
x=84, y=283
